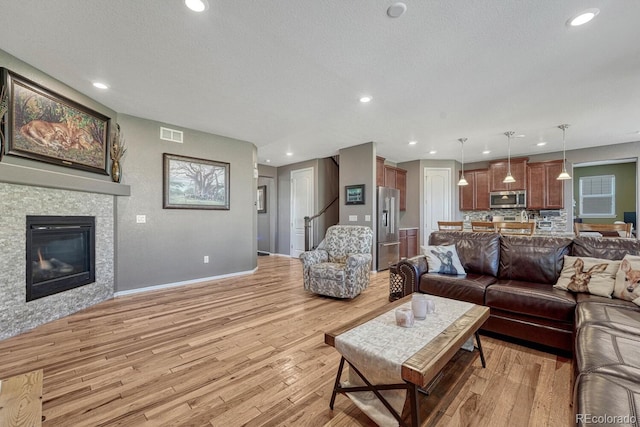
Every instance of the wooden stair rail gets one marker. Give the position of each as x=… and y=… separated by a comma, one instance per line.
x=307, y=223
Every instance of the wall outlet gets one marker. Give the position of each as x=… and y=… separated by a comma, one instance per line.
x=353, y=217
x=141, y=219
x=206, y=259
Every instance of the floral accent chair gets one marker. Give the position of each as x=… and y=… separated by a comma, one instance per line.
x=340, y=266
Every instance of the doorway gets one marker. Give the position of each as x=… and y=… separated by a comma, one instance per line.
x=302, y=196
x=437, y=199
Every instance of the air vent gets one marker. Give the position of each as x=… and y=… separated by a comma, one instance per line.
x=171, y=135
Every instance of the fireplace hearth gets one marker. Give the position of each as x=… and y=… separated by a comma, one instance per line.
x=60, y=254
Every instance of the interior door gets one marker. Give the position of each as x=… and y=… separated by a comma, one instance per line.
x=302, y=195
x=437, y=199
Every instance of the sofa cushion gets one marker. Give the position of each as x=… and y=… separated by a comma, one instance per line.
x=532, y=259
x=443, y=259
x=478, y=252
x=609, y=248
x=627, y=284
x=470, y=288
x=534, y=299
x=591, y=275
x=597, y=348
x=600, y=395
x=626, y=319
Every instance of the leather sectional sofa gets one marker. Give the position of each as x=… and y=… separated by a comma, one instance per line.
x=514, y=276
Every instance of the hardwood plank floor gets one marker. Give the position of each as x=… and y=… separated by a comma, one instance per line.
x=249, y=351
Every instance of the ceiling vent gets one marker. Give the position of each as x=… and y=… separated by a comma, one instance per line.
x=171, y=135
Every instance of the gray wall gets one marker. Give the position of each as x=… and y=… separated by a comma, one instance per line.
x=358, y=166
x=170, y=246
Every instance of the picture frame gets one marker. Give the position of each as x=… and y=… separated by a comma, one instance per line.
x=192, y=183
x=45, y=126
x=354, y=194
x=261, y=202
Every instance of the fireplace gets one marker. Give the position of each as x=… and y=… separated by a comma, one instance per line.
x=60, y=254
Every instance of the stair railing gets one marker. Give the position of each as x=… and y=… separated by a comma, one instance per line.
x=307, y=224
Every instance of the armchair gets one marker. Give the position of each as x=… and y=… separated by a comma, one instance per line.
x=340, y=268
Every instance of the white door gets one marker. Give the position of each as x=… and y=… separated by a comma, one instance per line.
x=301, y=205
x=437, y=199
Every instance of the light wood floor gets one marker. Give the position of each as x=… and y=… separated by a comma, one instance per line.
x=248, y=351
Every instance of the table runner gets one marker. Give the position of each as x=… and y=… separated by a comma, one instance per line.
x=379, y=347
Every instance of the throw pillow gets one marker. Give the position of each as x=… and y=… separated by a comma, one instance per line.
x=627, y=285
x=443, y=259
x=592, y=275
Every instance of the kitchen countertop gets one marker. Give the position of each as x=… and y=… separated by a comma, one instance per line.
x=408, y=228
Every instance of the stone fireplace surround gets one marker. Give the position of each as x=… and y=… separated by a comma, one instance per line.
x=16, y=202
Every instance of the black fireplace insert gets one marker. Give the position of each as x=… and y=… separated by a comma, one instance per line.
x=60, y=254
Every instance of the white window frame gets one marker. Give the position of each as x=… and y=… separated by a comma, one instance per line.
x=612, y=212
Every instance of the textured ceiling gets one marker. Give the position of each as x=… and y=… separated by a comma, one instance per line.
x=287, y=75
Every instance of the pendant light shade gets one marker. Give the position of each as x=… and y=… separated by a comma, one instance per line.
x=564, y=174
x=509, y=178
x=462, y=181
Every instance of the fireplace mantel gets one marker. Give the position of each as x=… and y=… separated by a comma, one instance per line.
x=23, y=175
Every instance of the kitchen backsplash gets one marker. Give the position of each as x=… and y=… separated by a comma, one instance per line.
x=559, y=223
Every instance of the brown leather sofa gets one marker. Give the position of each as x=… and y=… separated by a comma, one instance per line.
x=514, y=276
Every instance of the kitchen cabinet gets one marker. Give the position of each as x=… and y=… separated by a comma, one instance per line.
x=498, y=170
x=392, y=177
x=408, y=242
x=401, y=184
x=475, y=196
x=544, y=190
x=379, y=171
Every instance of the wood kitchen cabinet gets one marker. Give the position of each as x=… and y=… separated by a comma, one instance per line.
x=392, y=177
x=379, y=171
x=498, y=170
x=544, y=190
x=475, y=196
x=401, y=184
x=408, y=242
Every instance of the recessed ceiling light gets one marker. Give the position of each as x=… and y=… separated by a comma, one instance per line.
x=541, y=143
x=583, y=17
x=365, y=99
x=100, y=85
x=519, y=136
x=197, y=5
x=268, y=160
x=432, y=152
x=289, y=154
x=396, y=10
x=486, y=151
x=413, y=142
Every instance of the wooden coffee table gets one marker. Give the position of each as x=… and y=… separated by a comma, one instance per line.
x=432, y=360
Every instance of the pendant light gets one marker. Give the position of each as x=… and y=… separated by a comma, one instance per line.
x=564, y=174
x=462, y=181
x=509, y=178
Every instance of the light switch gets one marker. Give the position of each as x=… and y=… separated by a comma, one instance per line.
x=353, y=217
x=367, y=217
x=141, y=219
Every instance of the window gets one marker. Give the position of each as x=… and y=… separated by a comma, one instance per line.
x=598, y=196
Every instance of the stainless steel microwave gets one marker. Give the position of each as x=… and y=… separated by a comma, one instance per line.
x=507, y=199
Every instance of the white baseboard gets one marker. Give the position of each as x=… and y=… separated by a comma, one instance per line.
x=185, y=282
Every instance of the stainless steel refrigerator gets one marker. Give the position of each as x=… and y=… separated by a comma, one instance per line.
x=388, y=236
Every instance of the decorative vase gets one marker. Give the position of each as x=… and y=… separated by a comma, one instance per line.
x=115, y=171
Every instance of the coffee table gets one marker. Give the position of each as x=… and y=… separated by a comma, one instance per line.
x=388, y=358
